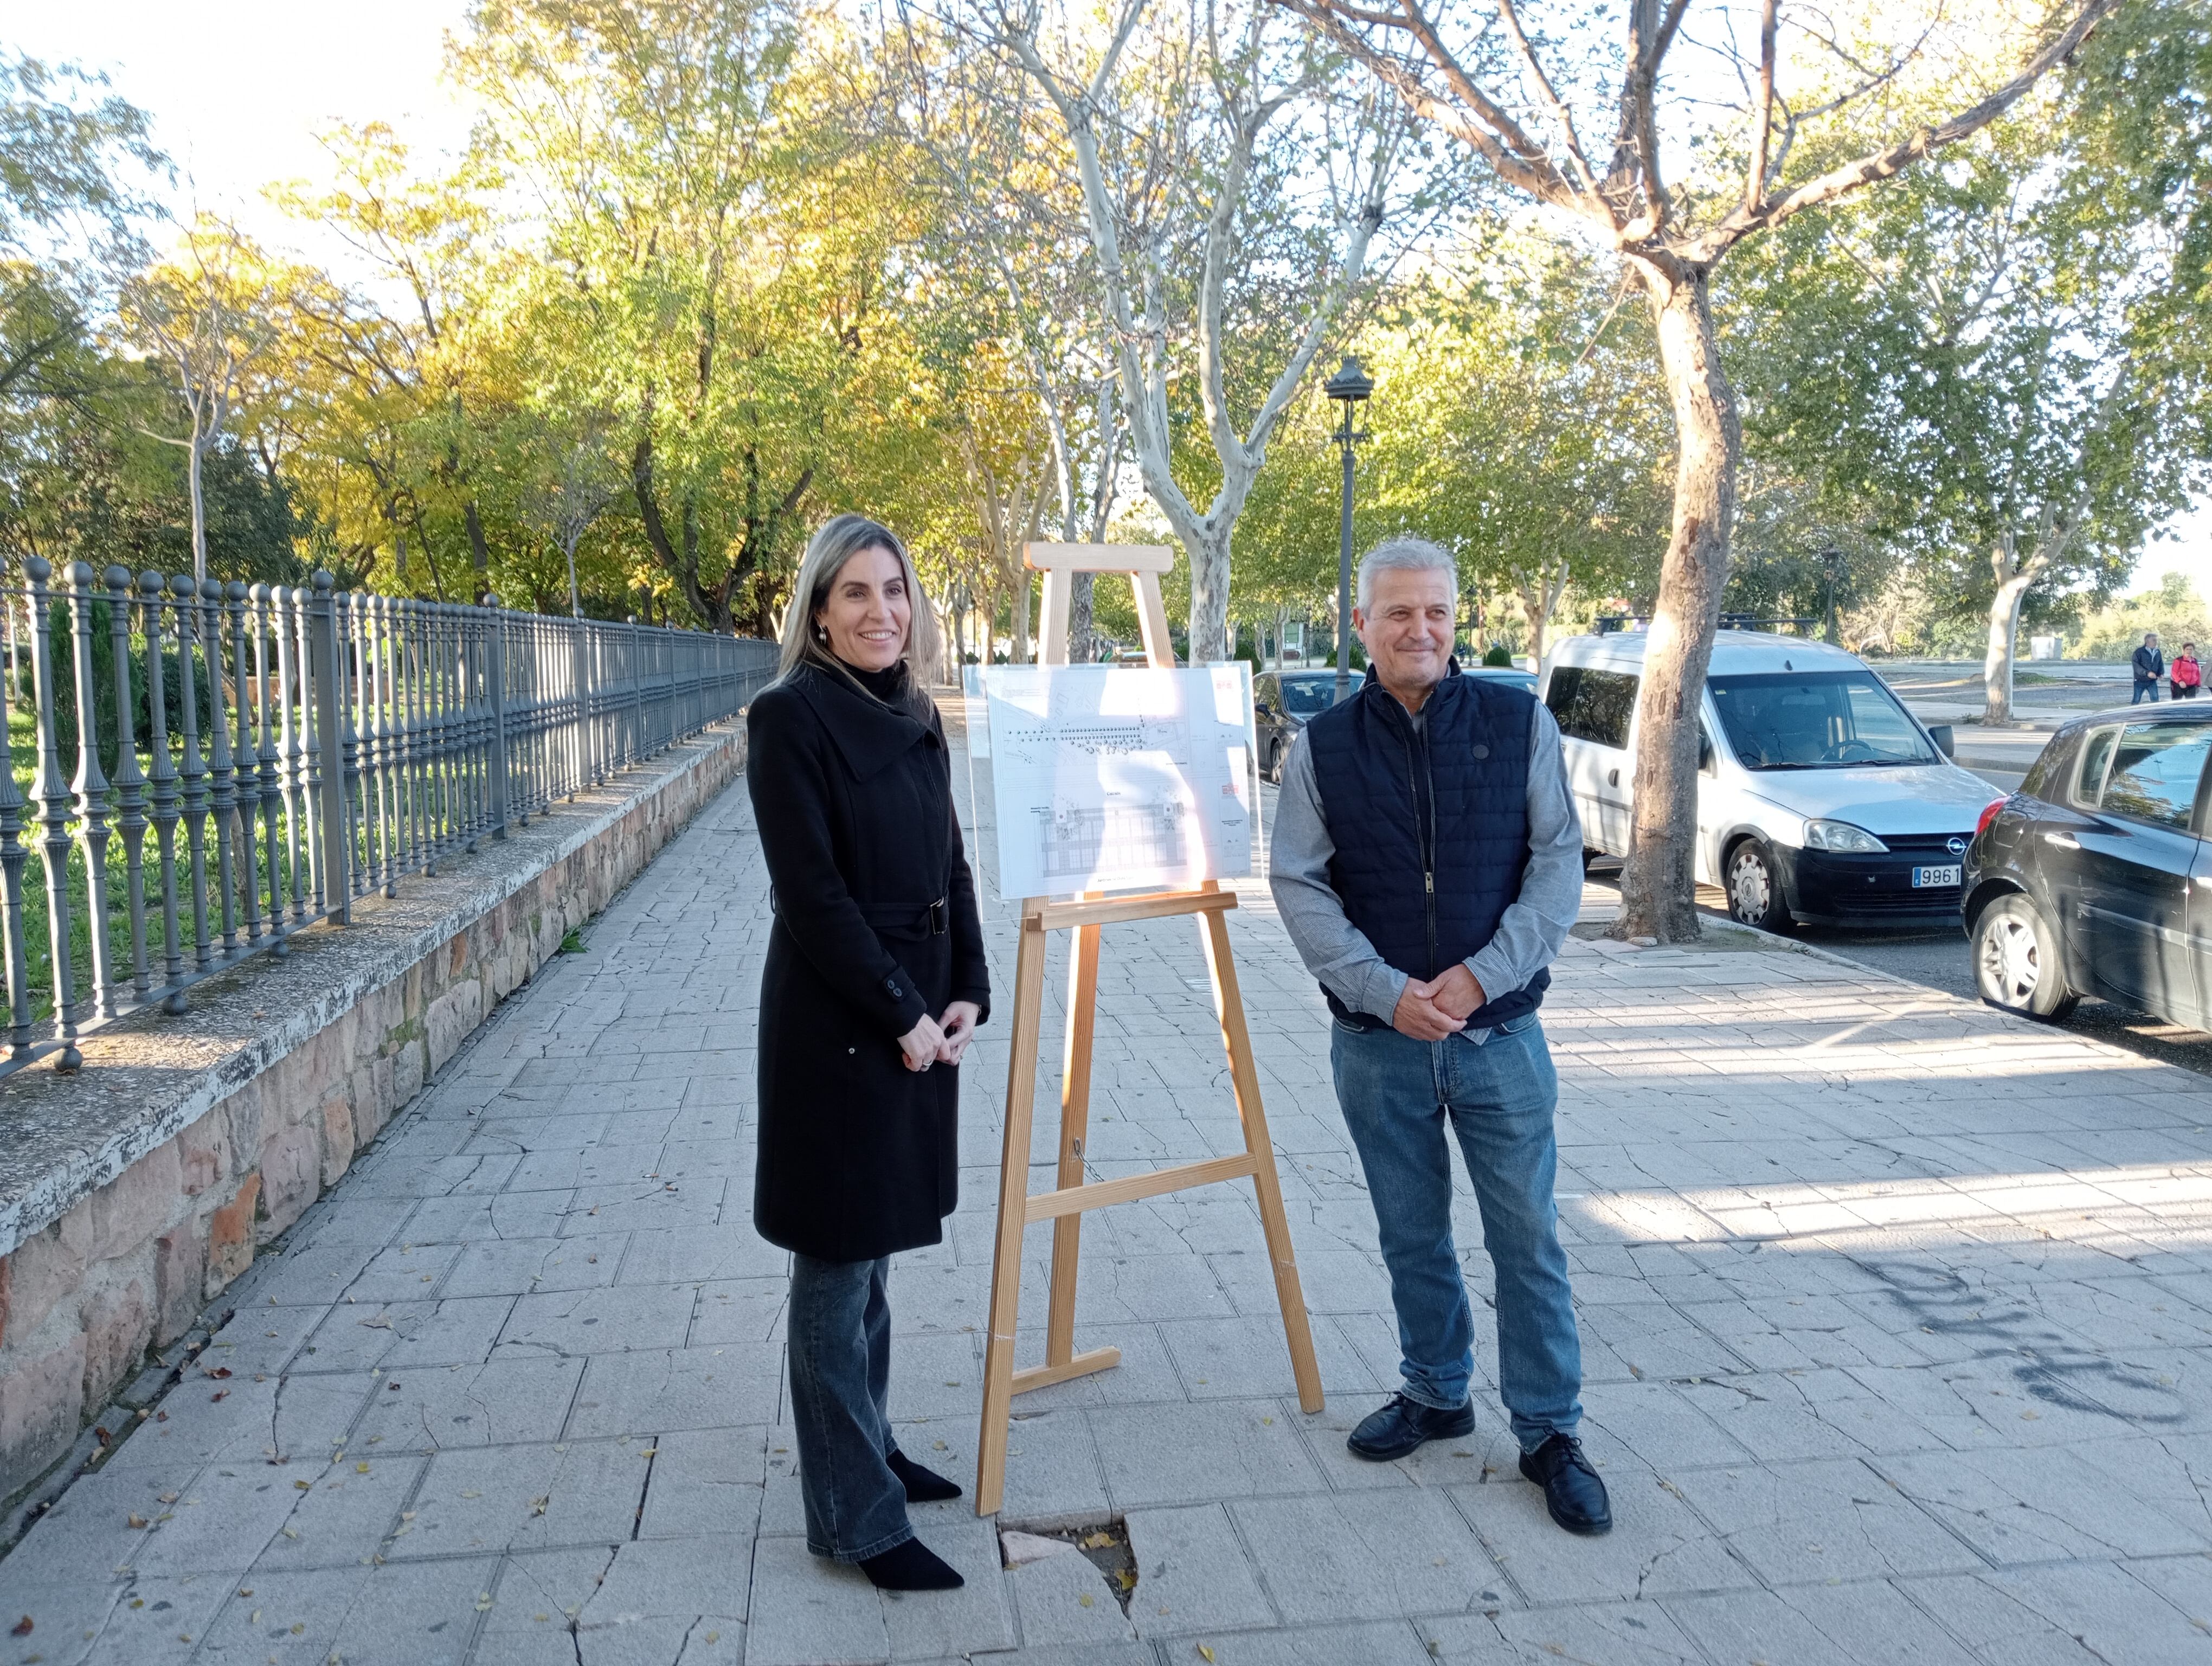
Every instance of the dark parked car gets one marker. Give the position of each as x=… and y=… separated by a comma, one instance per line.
x=1282, y=700
x=2095, y=878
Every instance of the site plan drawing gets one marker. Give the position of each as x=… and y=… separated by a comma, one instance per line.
x=1119, y=778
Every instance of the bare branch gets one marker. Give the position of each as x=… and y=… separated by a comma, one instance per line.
x=1511, y=17
x=1762, y=116
x=1531, y=174
x=1882, y=164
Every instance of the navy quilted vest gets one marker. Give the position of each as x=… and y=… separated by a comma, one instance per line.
x=1451, y=802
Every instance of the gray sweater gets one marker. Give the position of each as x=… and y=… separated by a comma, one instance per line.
x=1337, y=952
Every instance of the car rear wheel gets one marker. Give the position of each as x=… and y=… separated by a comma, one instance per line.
x=1754, y=888
x=2018, y=962
x=1275, y=751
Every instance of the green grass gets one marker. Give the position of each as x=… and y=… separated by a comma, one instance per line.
x=573, y=942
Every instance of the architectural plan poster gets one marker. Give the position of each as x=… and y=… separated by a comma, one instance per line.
x=1118, y=777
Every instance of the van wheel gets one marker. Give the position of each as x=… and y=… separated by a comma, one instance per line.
x=2018, y=962
x=1754, y=888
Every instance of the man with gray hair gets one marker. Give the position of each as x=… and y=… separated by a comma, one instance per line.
x=1427, y=862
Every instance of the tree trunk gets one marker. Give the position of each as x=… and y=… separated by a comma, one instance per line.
x=2005, y=632
x=1538, y=601
x=1082, y=647
x=1658, y=897
x=1020, y=588
x=1209, y=595
x=479, y=552
x=194, y=453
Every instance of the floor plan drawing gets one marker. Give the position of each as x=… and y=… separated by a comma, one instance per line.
x=1116, y=778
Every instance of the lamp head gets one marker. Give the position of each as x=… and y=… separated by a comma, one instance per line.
x=1350, y=384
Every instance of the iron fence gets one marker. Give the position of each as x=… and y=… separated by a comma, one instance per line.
x=249, y=760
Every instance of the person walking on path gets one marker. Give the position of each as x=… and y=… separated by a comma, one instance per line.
x=2184, y=674
x=2150, y=665
x=1427, y=861
x=874, y=984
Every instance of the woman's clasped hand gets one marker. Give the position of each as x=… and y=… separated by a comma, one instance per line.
x=940, y=1040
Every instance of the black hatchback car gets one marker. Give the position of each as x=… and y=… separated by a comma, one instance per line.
x=2095, y=878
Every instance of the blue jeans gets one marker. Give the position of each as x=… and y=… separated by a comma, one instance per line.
x=1498, y=1095
x=840, y=1379
x=2145, y=691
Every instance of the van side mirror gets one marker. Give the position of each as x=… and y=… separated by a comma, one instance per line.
x=1704, y=752
x=1941, y=734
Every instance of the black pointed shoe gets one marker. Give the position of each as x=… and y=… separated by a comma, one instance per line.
x=1402, y=1426
x=1572, y=1492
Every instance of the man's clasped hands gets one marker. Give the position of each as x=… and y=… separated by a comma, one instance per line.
x=1432, y=1009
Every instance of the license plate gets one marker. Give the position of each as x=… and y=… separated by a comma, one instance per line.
x=1934, y=875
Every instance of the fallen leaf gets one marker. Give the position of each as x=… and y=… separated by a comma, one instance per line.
x=1085, y=1599
x=299, y=1626
x=102, y=1436
x=538, y=1504
x=304, y=1486
x=134, y=1521
x=253, y=1619
x=714, y=1637
x=361, y=1469
x=220, y=1394
x=472, y=1493
x=484, y=1601
x=1205, y=1653
x=166, y=1497
x=21, y=1627
x=220, y=1373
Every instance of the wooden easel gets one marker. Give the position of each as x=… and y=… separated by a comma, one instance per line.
x=1064, y=1206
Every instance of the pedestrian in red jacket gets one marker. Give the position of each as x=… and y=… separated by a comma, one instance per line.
x=2185, y=675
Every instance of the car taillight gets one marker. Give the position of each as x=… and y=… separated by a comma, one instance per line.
x=1988, y=815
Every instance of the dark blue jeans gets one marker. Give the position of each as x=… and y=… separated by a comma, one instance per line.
x=840, y=1379
x=2145, y=691
x=1498, y=1096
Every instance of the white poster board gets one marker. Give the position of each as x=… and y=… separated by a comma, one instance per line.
x=1119, y=777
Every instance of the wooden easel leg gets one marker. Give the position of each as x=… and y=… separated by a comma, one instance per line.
x=1074, y=1129
x=1013, y=1203
x=1228, y=1006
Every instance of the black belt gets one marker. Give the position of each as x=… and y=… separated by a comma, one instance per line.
x=937, y=915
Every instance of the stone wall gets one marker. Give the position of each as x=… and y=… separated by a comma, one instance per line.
x=276, y=1107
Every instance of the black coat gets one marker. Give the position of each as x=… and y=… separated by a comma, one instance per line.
x=858, y=1156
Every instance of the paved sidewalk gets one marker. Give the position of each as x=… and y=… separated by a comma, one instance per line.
x=1897, y=1318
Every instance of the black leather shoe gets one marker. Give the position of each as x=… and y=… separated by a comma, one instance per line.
x=1403, y=1424
x=1572, y=1492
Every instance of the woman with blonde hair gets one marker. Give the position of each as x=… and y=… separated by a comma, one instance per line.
x=874, y=984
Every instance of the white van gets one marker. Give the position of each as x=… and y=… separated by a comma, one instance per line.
x=1819, y=797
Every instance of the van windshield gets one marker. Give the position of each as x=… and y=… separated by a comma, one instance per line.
x=1817, y=719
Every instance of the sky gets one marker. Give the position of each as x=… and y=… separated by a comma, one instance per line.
x=238, y=92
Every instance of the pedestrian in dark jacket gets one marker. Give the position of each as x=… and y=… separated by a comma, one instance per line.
x=2150, y=665
x=874, y=984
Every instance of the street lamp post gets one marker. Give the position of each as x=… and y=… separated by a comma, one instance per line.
x=1350, y=386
